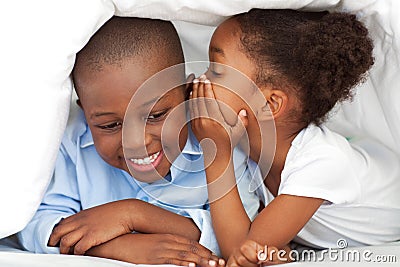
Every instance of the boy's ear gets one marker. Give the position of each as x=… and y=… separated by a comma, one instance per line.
x=188, y=85
x=276, y=102
x=78, y=102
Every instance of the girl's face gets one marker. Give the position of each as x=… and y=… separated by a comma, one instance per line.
x=230, y=71
x=232, y=74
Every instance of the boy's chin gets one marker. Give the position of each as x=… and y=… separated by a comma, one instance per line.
x=149, y=176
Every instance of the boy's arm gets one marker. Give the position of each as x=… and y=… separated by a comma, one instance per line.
x=84, y=230
x=154, y=249
x=148, y=218
x=54, y=207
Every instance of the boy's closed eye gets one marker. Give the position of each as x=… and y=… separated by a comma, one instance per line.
x=114, y=126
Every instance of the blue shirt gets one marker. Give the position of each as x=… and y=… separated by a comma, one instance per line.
x=82, y=179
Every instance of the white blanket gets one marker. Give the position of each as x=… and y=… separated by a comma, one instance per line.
x=385, y=255
x=39, y=42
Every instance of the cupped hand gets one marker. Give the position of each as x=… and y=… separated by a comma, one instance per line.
x=207, y=119
x=252, y=254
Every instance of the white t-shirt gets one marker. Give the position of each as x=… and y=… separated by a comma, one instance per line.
x=358, y=180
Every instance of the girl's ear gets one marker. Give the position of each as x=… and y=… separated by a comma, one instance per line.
x=276, y=102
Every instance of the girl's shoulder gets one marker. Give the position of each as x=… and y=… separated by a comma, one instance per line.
x=322, y=164
x=319, y=142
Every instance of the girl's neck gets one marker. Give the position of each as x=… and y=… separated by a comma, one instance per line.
x=284, y=138
x=269, y=153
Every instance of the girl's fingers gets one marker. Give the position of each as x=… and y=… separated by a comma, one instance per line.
x=242, y=261
x=239, y=128
x=211, y=103
x=201, y=101
x=195, y=87
x=194, y=99
x=251, y=250
x=191, y=107
x=232, y=262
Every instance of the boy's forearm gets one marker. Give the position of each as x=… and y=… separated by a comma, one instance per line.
x=113, y=249
x=128, y=247
x=148, y=218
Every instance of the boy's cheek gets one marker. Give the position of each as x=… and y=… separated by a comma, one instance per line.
x=174, y=135
x=109, y=149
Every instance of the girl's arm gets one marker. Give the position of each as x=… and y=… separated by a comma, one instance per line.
x=277, y=224
x=280, y=221
x=274, y=227
x=230, y=221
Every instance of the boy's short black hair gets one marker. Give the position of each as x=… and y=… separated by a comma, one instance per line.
x=122, y=38
x=320, y=55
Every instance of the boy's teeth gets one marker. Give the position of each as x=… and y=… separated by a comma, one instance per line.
x=147, y=160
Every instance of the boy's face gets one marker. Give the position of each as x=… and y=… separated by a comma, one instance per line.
x=104, y=96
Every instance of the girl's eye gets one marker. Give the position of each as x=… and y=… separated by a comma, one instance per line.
x=215, y=73
x=154, y=117
x=213, y=70
x=111, y=126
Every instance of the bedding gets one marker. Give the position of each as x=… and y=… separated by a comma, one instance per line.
x=12, y=256
x=41, y=38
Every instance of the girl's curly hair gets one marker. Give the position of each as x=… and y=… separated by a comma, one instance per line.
x=321, y=56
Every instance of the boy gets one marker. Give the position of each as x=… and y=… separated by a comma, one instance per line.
x=93, y=167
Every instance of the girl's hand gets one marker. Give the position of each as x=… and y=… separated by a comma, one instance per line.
x=208, y=120
x=252, y=254
x=88, y=228
x=157, y=249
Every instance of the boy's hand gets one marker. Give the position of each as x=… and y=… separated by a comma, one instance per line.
x=208, y=120
x=252, y=254
x=157, y=249
x=88, y=228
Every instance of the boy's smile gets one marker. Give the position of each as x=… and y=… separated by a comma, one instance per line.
x=105, y=95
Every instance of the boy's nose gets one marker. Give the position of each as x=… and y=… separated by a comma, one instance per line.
x=136, y=139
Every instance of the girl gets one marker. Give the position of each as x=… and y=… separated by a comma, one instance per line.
x=318, y=188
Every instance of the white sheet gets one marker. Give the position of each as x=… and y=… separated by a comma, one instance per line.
x=40, y=39
x=11, y=256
